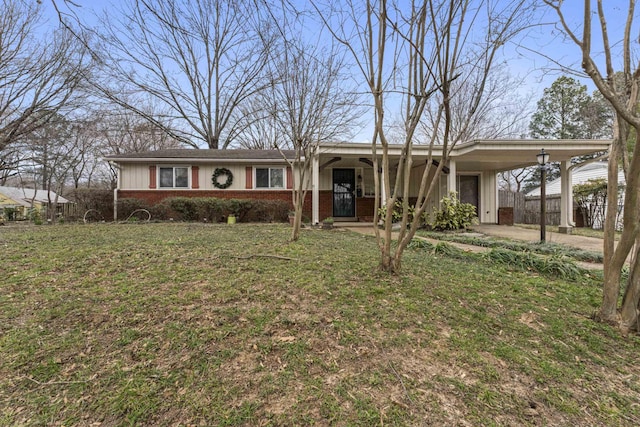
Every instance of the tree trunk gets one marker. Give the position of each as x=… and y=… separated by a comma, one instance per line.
x=298, y=199
x=390, y=263
x=631, y=301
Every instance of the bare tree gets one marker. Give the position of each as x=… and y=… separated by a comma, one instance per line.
x=39, y=72
x=419, y=50
x=53, y=152
x=117, y=130
x=502, y=111
x=201, y=59
x=512, y=180
x=313, y=106
x=622, y=91
x=259, y=123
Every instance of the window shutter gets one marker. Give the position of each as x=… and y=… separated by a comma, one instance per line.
x=195, y=183
x=152, y=177
x=289, y=179
x=249, y=178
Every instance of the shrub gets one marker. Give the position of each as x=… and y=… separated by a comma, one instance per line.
x=268, y=211
x=213, y=209
x=10, y=214
x=162, y=210
x=100, y=200
x=453, y=214
x=240, y=207
x=210, y=209
x=34, y=215
x=127, y=206
x=185, y=207
x=396, y=215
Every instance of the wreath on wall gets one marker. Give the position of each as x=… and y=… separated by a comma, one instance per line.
x=224, y=172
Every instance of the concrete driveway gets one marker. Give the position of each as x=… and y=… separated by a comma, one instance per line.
x=592, y=244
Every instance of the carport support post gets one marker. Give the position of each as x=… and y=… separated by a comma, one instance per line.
x=452, y=184
x=566, y=199
x=315, y=189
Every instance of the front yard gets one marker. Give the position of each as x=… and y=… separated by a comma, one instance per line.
x=193, y=324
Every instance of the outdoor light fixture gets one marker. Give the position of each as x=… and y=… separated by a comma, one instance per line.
x=543, y=159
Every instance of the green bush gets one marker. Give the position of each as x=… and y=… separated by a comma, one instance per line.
x=268, y=211
x=240, y=207
x=186, y=207
x=161, y=211
x=10, y=214
x=396, y=215
x=127, y=206
x=453, y=214
x=208, y=209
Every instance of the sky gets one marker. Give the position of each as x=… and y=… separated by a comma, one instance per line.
x=529, y=58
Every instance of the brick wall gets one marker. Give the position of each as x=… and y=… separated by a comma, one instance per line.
x=364, y=208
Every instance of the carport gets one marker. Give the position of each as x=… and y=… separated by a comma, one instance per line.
x=472, y=171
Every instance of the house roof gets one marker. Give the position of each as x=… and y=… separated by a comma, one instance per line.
x=476, y=155
x=23, y=196
x=192, y=154
x=581, y=175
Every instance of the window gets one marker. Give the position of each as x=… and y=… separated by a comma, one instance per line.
x=174, y=177
x=269, y=178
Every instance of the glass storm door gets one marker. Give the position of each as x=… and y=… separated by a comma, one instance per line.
x=344, y=188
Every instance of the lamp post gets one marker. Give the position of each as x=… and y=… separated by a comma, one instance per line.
x=543, y=159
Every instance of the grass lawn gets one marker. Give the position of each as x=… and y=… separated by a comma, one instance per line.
x=216, y=325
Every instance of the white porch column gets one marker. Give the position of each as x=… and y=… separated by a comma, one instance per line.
x=315, y=190
x=488, y=198
x=566, y=198
x=452, y=177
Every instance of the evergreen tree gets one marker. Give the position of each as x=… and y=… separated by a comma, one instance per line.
x=560, y=113
x=566, y=111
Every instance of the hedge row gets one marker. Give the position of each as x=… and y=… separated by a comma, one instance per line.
x=209, y=209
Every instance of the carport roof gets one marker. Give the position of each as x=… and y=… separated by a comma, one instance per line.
x=485, y=154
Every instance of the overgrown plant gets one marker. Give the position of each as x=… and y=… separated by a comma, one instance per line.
x=453, y=214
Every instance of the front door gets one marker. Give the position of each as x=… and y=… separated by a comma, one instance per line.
x=468, y=190
x=344, y=188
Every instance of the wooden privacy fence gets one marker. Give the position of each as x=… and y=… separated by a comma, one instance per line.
x=531, y=214
x=526, y=210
